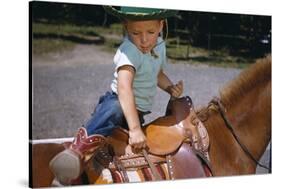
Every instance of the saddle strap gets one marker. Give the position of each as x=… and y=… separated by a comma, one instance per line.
x=121, y=168
x=155, y=174
x=170, y=167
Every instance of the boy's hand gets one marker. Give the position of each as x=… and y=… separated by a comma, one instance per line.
x=176, y=90
x=137, y=139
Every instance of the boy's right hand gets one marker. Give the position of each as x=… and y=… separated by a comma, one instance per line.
x=137, y=138
x=177, y=89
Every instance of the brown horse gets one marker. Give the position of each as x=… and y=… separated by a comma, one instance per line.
x=245, y=103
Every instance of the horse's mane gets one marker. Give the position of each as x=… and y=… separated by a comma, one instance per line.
x=236, y=89
x=257, y=74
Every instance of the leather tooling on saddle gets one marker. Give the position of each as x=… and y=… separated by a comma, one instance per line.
x=178, y=139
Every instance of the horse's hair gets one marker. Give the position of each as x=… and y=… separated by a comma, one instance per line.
x=257, y=74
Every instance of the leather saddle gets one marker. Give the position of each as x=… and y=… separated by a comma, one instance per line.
x=180, y=124
x=178, y=139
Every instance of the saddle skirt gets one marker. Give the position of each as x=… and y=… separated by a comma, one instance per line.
x=178, y=139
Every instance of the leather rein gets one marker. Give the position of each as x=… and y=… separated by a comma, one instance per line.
x=216, y=102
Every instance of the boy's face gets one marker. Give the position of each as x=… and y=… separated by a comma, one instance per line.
x=144, y=34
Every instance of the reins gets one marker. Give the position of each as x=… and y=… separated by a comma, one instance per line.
x=216, y=104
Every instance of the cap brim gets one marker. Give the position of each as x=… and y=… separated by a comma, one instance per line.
x=163, y=14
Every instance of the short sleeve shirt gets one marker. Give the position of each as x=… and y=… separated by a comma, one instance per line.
x=146, y=68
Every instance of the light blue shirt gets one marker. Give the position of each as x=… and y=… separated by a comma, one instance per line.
x=146, y=67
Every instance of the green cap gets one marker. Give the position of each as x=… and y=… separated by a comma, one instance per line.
x=138, y=13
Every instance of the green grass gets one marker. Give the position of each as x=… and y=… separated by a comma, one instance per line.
x=51, y=37
x=44, y=46
x=182, y=51
x=57, y=37
x=63, y=29
x=116, y=29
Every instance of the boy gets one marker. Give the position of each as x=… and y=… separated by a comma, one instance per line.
x=139, y=62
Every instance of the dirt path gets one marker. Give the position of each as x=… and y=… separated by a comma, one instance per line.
x=66, y=88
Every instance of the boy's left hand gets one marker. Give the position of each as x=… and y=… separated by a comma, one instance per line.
x=176, y=90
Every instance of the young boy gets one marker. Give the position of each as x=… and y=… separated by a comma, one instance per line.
x=139, y=62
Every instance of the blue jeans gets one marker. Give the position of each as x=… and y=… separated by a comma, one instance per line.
x=107, y=116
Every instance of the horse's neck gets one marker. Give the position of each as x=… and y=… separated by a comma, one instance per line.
x=248, y=102
x=250, y=117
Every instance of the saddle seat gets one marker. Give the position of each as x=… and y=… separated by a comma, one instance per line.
x=178, y=139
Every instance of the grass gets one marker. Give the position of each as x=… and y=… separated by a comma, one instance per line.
x=186, y=53
x=49, y=38
x=47, y=42
x=44, y=46
x=60, y=29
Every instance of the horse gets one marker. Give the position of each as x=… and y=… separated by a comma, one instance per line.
x=238, y=124
x=246, y=102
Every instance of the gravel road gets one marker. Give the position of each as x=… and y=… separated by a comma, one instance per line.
x=66, y=87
